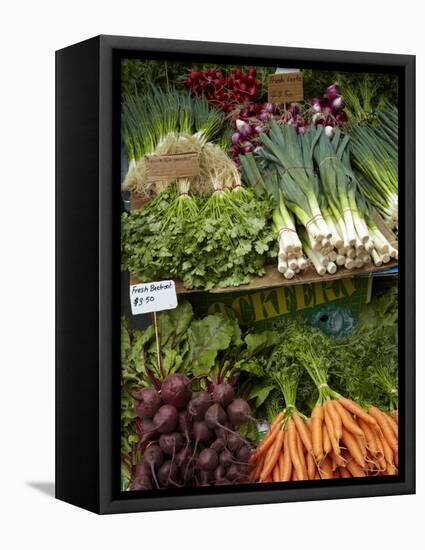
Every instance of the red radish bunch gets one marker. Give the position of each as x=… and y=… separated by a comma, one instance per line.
x=328, y=110
x=189, y=440
x=223, y=91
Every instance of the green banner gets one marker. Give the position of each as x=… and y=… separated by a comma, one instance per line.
x=333, y=306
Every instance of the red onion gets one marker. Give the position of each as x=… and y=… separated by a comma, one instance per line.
x=332, y=92
x=337, y=103
x=236, y=138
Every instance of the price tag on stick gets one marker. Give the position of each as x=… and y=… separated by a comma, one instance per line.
x=152, y=297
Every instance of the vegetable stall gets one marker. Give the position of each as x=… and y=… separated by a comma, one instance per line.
x=230, y=193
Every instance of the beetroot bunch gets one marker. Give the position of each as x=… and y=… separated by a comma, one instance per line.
x=188, y=439
x=225, y=91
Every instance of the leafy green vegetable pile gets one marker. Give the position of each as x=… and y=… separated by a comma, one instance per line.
x=226, y=244
x=213, y=350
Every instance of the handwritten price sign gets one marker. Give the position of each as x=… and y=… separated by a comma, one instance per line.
x=285, y=87
x=155, y=296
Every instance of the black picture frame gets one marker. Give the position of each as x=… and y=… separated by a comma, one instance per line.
x=88, y=273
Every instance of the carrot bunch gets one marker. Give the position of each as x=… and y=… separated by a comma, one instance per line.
x=350, y=442
x=339, y=439
x=285, y=453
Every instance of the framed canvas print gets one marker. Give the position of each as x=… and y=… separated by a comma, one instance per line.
x=235, y=274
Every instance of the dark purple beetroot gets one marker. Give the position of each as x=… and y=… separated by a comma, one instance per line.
x=218, y=445
x=148, y=402
x=220, y=473
x=171, y=443
x=141, y=484
x=185, y=424
x=226, y=458
x=244, y=453
x=168, y=474
x=208, y=460
x=148, y=430
x=223, y=394
x=142, y=469
x=234, y=442
x=232, y=472
x=202, y=432
x=222, y=433
x=176, y=390
x=239, y=412
x=199, y=405
x=154, y=458
x=182, y=458
x=206, y=478
x=215, y=417
x=166, y=419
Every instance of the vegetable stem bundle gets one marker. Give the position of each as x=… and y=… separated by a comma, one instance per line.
x=324, y=218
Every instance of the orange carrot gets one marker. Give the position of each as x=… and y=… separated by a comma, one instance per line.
x=331, y=431
x=347, y=420
x=355, y=409
x=293, y=449
x=267, y=442
x=391, y=470
x=279, y=418
x=271, y=434
x=316, y=431
x=311, y=466
x=276, y=472
x=327, y=447
x=335, y=418
x=301, y=456
x=370, y=437
x=303, y=431
x=287, y=462
x=281, y=462
x=352, y=445
x=337, y=460
x=393, y=425
x=272, y=456
x=361, y=441
x=325, y=469
x=354, y=469
x=344, y=472
x=383, y=421
x=388, y=453
x=255, y=474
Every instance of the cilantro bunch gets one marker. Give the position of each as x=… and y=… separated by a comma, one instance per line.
x=226, y=243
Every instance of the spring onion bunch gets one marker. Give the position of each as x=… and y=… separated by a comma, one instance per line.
x=375, y=155
x=165, y=123
x=319, y=211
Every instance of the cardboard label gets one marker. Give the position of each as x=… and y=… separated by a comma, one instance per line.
x=155, y=296
x=285, y=87
x=167, y=168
